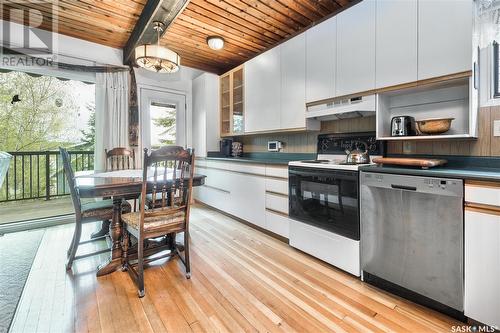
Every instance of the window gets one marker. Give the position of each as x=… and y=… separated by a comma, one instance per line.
x=163, y=124
x=496, y=70
x=38, y=114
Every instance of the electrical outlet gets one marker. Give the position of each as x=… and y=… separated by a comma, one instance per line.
x=496, y=128
x=409, y=147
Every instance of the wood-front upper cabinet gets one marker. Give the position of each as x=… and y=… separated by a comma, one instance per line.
x=396, y=42
x=321, y=42
x=293, y=83
x=263, y=92
x=444, y=37
x=355, y=70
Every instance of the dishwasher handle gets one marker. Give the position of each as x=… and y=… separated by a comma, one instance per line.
x=403, y=187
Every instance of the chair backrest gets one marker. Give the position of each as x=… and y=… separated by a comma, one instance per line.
x=119, y=159
x=70, y=178
x=174, y=164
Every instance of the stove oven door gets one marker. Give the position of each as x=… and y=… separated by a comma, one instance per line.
x=325, y=198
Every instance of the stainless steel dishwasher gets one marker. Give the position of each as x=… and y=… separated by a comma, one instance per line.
x=412, y=238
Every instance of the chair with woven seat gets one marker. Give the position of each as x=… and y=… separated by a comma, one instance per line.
x=168, y=176
x=118, y=158
x=88, y=212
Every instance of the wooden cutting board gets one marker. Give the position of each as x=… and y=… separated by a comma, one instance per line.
x=424, y=163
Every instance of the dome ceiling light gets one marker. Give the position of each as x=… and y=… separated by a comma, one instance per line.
x=155, y=57
x=215, y=42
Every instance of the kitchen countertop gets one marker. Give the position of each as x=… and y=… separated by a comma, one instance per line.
x=263, y=158
x=474, y=168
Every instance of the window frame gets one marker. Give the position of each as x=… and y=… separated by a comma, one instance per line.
x=496, y=69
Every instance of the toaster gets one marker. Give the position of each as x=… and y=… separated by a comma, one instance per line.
x=403, y=126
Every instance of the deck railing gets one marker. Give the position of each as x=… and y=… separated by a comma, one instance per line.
x=40, y=174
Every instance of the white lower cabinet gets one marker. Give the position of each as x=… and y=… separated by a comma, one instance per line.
x=277, y=223
x=244, y=191
x=246, y=203
x=277, y=202
x=482, y=266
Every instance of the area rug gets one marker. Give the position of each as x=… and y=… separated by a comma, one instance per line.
x=17, y=252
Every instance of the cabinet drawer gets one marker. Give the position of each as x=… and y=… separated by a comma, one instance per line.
x=277, y=223
x=277, y=171
x=254, y=169
x=277, y=186
x=277, y=202
x=483, y=193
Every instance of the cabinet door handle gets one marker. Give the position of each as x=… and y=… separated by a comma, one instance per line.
x=403, y=187
x=217, y=189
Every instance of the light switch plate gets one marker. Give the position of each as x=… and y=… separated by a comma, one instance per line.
x=496, y=128
x=409, y=147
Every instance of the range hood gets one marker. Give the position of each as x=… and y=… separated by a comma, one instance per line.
x=355, y=107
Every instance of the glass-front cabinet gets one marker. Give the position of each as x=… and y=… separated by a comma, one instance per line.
x=231, y=102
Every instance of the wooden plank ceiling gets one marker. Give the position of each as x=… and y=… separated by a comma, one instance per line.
x=107, y=22
x=249, y=27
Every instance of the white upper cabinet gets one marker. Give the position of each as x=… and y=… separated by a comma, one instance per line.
x=444, y=37
x=355, y=70
x=205, y=114
x=293, y=83
x=263, y=92
x=320, y=60
x=396, y=42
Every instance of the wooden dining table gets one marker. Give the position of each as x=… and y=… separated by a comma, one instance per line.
x=118, y=185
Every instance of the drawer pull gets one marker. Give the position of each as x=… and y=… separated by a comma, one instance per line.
x=217, y=189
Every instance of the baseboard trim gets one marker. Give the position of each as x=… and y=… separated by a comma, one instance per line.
x=7, y=228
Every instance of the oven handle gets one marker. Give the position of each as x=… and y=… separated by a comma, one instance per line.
x=329, y=173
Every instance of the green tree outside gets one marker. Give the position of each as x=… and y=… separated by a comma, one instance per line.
x=43, y=120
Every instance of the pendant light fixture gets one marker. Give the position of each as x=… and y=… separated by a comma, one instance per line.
x=155, y=57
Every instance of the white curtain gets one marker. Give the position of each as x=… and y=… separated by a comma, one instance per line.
x=111, y=120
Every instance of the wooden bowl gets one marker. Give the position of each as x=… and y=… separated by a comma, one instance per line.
x=434, y=126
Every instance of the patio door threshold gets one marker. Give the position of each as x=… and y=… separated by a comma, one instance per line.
x=52, y=221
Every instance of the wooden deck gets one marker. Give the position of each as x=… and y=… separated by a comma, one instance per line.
x=243, y=280
x=24, y=210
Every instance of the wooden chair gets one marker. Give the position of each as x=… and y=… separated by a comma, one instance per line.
x=84, y=213
x=119, y=159
x=167, y=216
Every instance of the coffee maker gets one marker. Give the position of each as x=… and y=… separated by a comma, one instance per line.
x=226, y=147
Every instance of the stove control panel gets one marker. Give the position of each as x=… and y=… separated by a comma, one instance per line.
x=337, y=144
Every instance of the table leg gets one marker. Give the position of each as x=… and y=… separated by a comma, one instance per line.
x=115, y=230
x=103, y=231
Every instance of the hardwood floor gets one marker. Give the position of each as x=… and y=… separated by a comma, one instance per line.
x=243, y=280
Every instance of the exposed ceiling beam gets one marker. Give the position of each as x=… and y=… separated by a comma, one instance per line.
x=143, y=33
